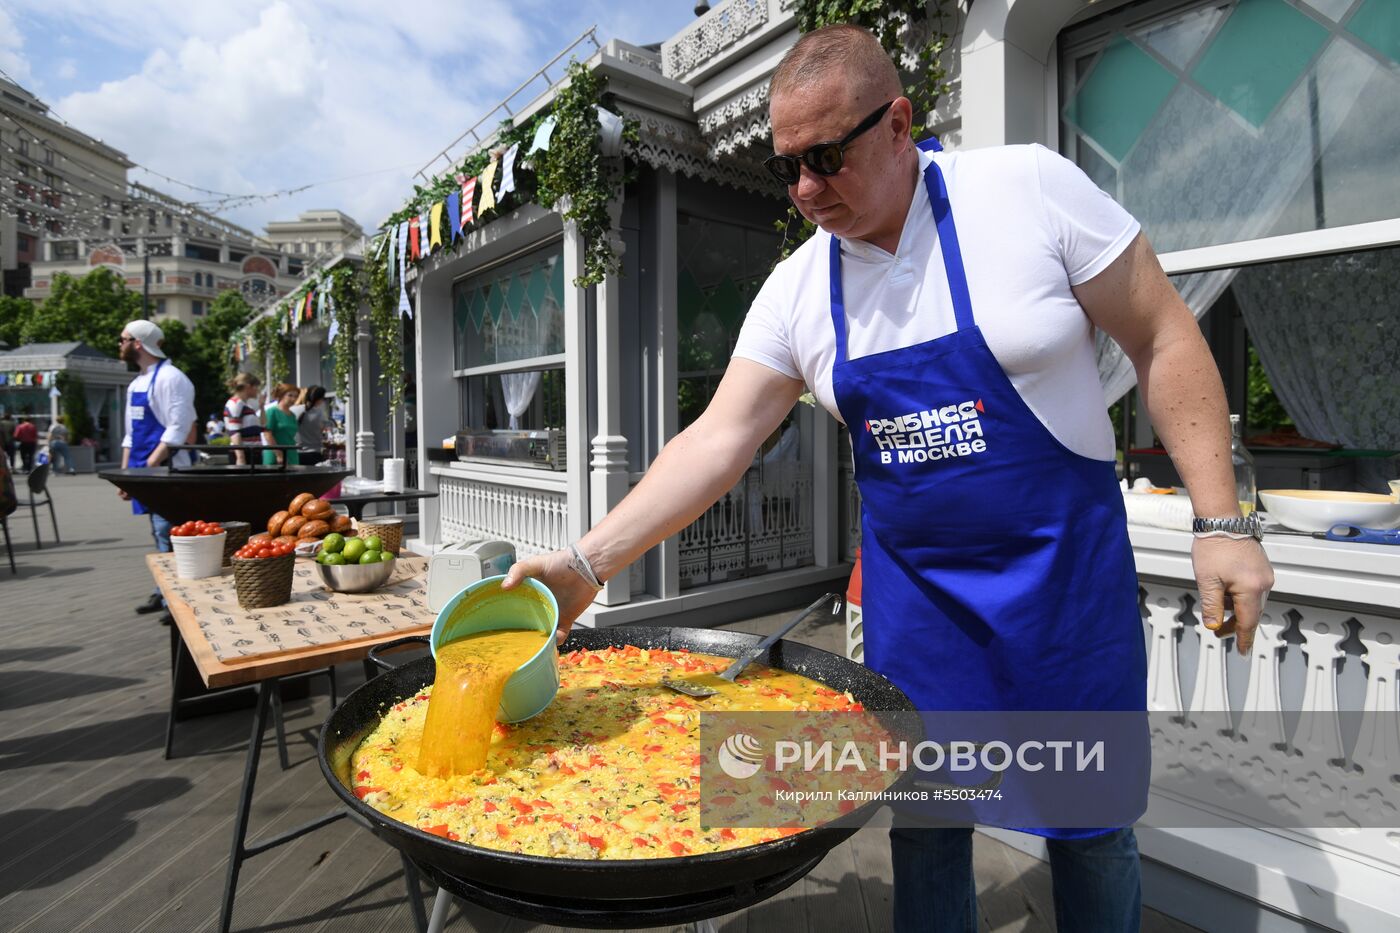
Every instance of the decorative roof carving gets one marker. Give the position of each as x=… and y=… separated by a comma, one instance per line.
x=738, y=122
x=677, y=146
x=711, y=34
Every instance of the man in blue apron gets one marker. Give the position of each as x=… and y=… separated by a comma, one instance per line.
x=945, y=312
x=159, y=412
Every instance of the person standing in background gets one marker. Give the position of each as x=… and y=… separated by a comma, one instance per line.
x=311, y=424
x=27, y=438
x=281, y=424
x=159, y=412
x=242, y=418
x=7, y=435
x=58, y=446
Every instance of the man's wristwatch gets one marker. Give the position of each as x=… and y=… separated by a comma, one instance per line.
x=1249, y=525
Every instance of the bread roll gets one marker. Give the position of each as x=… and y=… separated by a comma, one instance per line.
x=274, y=524
x=299, y=503
x=261, y=537
x=292, y=525
x=316, y=508
x=285, y=539
x=315, y=528
x=341, y=524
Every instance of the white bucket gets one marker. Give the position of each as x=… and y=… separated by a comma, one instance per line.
x=393, y=475
x=199, y=556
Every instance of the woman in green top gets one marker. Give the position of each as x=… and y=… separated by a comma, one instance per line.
x=281, y=424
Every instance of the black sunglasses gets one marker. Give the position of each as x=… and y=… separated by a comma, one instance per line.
x=822, y=158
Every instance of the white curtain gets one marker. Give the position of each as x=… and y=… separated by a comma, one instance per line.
x=1327, y=330
x=519, y=389
x=1200, y=174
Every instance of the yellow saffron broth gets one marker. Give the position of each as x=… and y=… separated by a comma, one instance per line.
x=471, y=676
x=610, y=770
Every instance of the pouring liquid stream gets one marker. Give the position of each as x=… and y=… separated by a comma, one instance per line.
x=471, y=676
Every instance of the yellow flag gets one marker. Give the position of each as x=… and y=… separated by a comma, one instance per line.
x=435, y=226
x=488, y=187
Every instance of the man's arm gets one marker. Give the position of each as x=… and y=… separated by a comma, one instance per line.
x=697, y=467
x=1135, y=304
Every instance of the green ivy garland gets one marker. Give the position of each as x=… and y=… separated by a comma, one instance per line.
x=571, y=170
x=270, y=347
x=347, y=291
x=912, y=33
x=387, y=329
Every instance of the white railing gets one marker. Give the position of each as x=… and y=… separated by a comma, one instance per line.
x=761, y=525
x=534, y=520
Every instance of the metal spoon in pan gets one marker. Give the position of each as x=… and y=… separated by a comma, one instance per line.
x=691, y=688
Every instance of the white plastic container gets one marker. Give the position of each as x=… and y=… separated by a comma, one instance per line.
x=198, y=556
x=393, y=475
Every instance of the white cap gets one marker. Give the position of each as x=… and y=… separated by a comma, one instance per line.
x=150, y=336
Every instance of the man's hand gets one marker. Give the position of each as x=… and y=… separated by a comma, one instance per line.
x=123, y=495
x=573, y=593
x=1232, y=575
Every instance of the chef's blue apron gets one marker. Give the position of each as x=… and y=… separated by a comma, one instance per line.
x=996, y=568
x=146, y=429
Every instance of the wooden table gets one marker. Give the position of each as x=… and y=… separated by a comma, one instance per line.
x=264, y=672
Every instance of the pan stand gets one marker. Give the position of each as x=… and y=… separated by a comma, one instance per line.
x=442, y=905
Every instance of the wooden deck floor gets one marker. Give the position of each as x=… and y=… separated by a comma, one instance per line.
x=99, y=833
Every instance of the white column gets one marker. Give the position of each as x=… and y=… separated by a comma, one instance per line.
x=577, y=379
x=308, y=355
x=667, y=351
x=609, y=472
x=365, y=464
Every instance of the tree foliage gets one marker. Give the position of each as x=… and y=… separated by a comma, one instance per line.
x=93, y=309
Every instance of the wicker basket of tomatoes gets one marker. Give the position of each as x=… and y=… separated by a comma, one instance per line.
x=262, y=573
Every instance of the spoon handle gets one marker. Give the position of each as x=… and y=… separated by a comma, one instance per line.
x=745, y=659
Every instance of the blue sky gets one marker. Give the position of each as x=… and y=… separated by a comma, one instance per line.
x=252, y=96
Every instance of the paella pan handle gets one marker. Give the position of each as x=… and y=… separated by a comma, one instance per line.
x=384, y=665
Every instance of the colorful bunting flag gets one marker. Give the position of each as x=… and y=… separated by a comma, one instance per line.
x=488, y=194
x=435, y=226
x=403, y=290
x=542, y=134
x=413, y=251
x=468, y=199
x=508, y=171
x=423, y=247
x=454, y=215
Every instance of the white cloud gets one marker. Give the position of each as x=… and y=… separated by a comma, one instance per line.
x=298, y=95
x=68, y=69
x=250, y=96
x=12, y=58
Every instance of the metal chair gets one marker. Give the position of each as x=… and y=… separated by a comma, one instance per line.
x=38, y=480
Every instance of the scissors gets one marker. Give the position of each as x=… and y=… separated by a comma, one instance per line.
x=1352, y=533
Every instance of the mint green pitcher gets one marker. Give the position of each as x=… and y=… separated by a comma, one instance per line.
x=485, y=607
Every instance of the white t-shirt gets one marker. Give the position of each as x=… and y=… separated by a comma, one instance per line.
x=170, y=398
x=1030, y=225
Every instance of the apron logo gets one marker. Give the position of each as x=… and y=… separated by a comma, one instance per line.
x=933, y=434
x=138, y=413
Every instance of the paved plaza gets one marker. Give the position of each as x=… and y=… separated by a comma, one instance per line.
x=98, y=832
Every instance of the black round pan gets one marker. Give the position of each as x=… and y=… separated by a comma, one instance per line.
x=592, y=883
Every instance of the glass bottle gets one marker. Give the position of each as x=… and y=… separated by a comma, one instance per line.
x=1243, y=463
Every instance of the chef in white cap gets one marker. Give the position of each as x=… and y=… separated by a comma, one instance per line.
x=159, y=412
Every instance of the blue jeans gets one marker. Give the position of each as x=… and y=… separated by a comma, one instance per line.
x=160, y=530
x=1097, y=882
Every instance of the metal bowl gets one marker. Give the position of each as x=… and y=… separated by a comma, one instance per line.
x=356, y=578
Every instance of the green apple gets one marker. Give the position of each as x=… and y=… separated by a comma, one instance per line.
x=352, y=550
x=335, y=560
x=373, y=543
x=333, y=543
x=369, y=557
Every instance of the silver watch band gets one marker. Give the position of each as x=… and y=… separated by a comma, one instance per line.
x=1249, y=525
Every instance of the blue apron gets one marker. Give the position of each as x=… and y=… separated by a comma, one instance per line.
x=146, y=429
x=996, y=568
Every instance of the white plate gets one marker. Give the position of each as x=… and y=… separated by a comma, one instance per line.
x=1320, y=509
